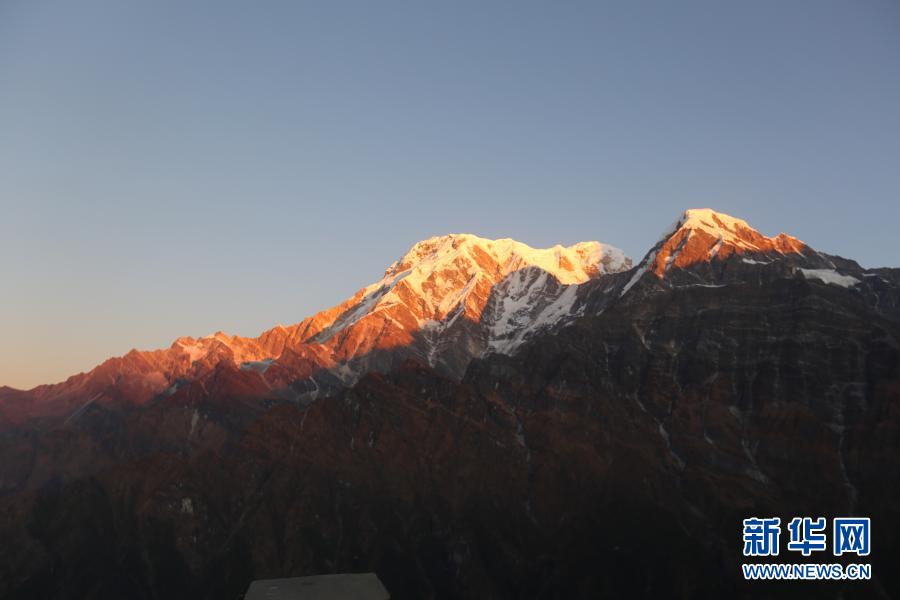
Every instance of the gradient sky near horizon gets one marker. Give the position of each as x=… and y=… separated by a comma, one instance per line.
x=175, y=168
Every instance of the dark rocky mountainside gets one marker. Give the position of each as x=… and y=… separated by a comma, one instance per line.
x=615, y=457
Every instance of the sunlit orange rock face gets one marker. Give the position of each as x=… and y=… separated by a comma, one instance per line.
x=436, y=304
x=448, y=300
x=440, y=284
x=702, y=235
x=728, y=374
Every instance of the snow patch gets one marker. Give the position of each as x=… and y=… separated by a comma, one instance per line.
x=195, y=417
x=830, y=276
x=639, y=272
x=515, y=317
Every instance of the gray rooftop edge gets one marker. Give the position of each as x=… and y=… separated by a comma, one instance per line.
x=343, y=586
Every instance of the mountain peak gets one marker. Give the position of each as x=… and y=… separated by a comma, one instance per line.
x=573, y=264
x=703, y=234
x=446, y=277
x=710, y=220
x=731, y=229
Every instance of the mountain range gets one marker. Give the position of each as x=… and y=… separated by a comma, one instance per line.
x=485, y=420
x=446, y=301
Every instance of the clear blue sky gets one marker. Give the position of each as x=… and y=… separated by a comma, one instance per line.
x=172, y=168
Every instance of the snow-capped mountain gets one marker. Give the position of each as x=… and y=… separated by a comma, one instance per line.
x=705, y=247
x=452, y=298
x=447, y=300
x=701, y=235
x=554, y=398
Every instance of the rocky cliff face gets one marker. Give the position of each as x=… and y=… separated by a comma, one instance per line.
x=612, y=457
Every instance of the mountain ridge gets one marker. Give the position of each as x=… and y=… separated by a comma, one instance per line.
x=447, y=300
x=437, y=291
x=624, y=444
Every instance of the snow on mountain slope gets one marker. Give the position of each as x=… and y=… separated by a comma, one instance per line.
x=484, y=294
x=444, y=275
x=702, y=236
x=446, y=301
x=830, y=276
